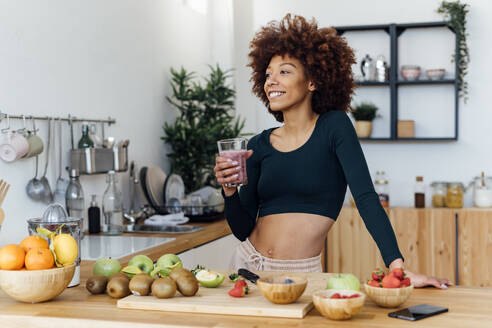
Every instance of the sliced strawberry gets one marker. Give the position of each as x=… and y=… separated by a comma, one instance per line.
x=240, y=283
x=354, y=296
x=239, y=291
x=336, y=296
x=373, y=283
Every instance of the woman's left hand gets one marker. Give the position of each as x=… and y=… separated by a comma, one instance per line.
x=421, y=280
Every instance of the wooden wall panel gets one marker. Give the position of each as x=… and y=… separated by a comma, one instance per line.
x=475, y=247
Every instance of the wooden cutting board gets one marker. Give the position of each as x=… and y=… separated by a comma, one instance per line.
x=218, y=301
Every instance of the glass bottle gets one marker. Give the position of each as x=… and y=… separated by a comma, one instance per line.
x=94, y=137
x=74, y=198
x=94, y=215
x=112, y=207
x=381, y=187
x=85, y=141
x=419, y=192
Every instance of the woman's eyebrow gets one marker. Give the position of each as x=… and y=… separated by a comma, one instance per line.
x=291, y=64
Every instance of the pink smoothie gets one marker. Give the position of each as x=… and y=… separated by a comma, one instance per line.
x=240, y=157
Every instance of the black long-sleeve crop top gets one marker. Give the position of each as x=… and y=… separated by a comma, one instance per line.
x=311, y=179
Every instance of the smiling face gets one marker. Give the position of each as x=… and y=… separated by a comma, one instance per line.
x=286, y=85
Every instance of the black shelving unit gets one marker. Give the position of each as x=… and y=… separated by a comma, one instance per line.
x=394, y=31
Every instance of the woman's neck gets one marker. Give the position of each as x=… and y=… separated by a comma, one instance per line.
x=299, y=122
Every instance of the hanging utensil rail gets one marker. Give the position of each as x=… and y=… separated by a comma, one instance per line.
x=69, y=118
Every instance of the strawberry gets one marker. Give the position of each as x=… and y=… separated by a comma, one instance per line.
x=354, y=296
x=373, y=283
x=405, y=282
x=240, y=283
x=336, y=296
x=377, y=274
x=239, y=291
x=398, y=273
x=391, y=281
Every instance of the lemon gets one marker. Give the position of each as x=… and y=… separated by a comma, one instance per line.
x=65, y=248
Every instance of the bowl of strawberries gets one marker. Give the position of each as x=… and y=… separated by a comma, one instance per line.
x=388, y=290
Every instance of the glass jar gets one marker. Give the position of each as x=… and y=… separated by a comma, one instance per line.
x=482, y=191
x=381, y=188
x=439, y=190
x=454, y=195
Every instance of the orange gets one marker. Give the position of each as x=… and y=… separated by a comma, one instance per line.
x=34, y=241
x=39, y=259
x=12, y=257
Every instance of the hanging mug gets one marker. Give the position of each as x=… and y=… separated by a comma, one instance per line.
x=36, y=145
x=13, y=146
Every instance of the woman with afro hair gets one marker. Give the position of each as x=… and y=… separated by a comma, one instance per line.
x=298, y=172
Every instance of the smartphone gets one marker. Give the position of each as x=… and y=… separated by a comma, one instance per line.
x=418, y=312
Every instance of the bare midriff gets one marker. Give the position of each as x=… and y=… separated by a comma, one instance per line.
x=290, y=236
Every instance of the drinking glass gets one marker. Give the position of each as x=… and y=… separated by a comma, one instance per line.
x=235, y=149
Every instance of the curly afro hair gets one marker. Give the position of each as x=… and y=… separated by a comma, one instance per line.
x=326, y=57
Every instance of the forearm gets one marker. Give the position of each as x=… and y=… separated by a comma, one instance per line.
x=398, y=263
x=239, y=220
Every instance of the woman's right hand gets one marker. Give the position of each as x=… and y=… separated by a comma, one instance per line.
x=226, y=172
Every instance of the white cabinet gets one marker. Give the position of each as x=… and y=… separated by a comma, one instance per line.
x=215, y=255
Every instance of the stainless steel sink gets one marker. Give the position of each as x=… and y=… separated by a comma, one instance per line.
x=147, y=228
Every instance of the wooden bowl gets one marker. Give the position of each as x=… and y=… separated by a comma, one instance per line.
x=277, y=291
x=338, y=309
x=388, y=297
x=37, y=285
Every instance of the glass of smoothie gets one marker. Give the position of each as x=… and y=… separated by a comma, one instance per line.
x=236, y=150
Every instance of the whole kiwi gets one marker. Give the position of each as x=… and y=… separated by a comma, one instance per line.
x=96, y=284
x=188, y=286
x=178, y=272
x=118, y=287
x=140, y=284
x=119, y=274
x=164, y=288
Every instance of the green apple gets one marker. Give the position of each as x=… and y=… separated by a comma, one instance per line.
x=209, y=278
x=106, y=267
x=343, y=281
x=169, y=261
x=143, y=262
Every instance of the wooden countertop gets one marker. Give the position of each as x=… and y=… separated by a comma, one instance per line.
x=75, y=307
x=183, y=242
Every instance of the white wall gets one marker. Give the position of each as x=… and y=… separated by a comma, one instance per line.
x=97, y=59
x=403, y=161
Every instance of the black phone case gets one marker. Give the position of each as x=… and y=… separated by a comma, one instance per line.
x=397, y=315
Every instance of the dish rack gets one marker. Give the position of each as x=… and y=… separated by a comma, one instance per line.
x=195, y=213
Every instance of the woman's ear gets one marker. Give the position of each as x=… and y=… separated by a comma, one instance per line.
x=311, y=86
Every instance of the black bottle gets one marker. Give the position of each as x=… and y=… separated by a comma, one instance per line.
x=94, y=217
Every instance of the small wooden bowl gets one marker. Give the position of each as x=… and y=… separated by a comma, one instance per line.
x=388, y=297
x=338, y=309
x=277, y=291
x=37, y=285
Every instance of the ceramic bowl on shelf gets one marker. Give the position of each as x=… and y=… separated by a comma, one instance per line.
x=435, y=73
x=282, y=289
x=37, y=285
x=388, y=297
x=410, y=72
x=338, y=309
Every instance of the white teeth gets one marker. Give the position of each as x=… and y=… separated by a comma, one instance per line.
x=274, y=94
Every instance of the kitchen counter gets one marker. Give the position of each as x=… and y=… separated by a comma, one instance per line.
x=75, y=307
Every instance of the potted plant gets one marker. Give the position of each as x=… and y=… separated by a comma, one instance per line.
x=364, y=113
x=206, y=115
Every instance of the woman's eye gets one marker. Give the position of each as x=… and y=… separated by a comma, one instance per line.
x=267, y=75
x=284, y=72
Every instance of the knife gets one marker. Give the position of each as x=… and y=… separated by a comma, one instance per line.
x=248, y=275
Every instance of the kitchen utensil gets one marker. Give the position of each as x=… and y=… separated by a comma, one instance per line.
x=55, y=212
x=46, y=193
x=217, y=301
x=34, y=187
x=388, y=297
x=338, y=309
x=248, y=275
x=368, y=68
x=108, y=142
x=67, y=225
x=37, y=285
x=143, y=183
x=155, y=180
x=4, y=187
x=173, y=188
x=61, y=183
x=13, y=146
x=282, y=289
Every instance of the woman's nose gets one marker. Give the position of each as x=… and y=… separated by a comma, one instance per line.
x=271, y=80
